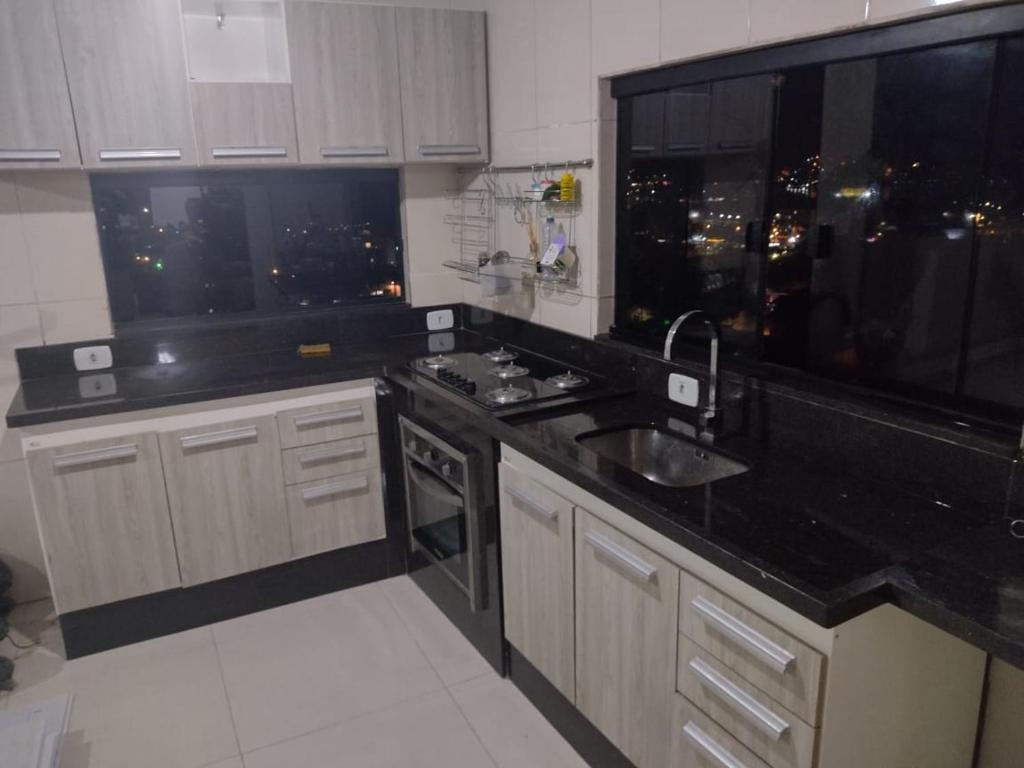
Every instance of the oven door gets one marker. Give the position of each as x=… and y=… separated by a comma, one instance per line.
x=443, y=515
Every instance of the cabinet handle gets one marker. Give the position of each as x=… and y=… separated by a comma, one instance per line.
x=329, y=417
x=685, y=147
x=709, y=747
x=332, y=489
x=139, y=154
x=30, y=155
x=532, y=505
x=95, y=456
x=734, y=145
x=773, y=654
x=219, y=438
x=642, y=148
x=742, y=702
x=448, y=149
x=331, y=452
x=369, y=151
x=621, y=556
x=218, y=152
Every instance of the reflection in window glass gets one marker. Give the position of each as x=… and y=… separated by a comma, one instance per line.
x=219, y=243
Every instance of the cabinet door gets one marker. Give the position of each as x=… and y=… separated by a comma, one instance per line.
x=244, y=123
x=626, y=607
x=36, y=127
x=126, y=69
x=103, y=519
x=344, y=64
x=443, y=63
x=739, y=113
x=687, y=113
x=537, y=576
x=226, y=492
x=648, y=126
x=336, y=512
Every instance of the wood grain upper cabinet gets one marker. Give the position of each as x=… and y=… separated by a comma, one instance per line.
x=537, y=576
x=443, y=63
x=244, y=123
x=36, y=126
x=104, y=522
x=344, y=64
x=126, y=69
x=626, y=609
x=226, y=493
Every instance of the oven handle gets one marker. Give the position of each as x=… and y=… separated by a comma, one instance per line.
x=431, y=485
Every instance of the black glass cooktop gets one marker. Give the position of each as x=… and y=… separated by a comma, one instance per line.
x=501, y=377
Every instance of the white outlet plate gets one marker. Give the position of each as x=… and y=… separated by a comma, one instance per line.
x=93, y=358
x=97, y=385
x=440, y=320
x=441, y=342
x=683, y=389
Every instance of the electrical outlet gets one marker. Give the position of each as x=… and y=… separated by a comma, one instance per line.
x=440, y=320
x=93, y=358
x=441, y=342
x=683, y=389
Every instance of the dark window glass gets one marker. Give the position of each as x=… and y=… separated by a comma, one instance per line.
x=219, y=243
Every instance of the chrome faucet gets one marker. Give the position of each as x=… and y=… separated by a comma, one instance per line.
x=711, y=411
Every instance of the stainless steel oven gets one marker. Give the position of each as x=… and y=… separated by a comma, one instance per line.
x=443, y=508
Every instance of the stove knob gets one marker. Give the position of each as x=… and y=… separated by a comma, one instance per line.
x=429, y=455
x=446, y=469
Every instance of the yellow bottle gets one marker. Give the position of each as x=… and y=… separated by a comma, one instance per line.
x=568, y=188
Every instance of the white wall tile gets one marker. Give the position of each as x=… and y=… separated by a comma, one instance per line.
x=19, y=544
x=78, y=320
x=603, y=314
x=15, y=273
x=563, y=61
x=696, y=27
x=787, y=19
x=512, y=65
x=565, y=310
x=428, y=239
x=60, y=233
x=887, y=9
x=514, y=147
x=440, y=288
x=625, y=35
x=570, y=141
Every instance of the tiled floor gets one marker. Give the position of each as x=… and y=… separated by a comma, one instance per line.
x=372, y=677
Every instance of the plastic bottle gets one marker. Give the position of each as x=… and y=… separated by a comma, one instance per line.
x=548, y=235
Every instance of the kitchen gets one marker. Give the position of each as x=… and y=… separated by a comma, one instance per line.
x=412, y=395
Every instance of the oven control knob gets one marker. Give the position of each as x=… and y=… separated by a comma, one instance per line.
x=446, y=470
x=429, y=455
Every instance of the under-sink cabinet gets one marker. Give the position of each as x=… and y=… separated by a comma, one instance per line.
x=138, y=503
x=679, y=663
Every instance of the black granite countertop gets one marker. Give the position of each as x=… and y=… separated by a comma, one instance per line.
x=828, y=538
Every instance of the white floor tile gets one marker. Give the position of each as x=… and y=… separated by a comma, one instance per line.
x=300, y=667
x=159, y=704
x=513, y=732
x=428, y=732
x=451, y=655
x=231, y=762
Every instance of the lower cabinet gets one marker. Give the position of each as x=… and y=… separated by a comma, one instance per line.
x=337, y=512
x=626, y=614
x=103, y=519
x=226, y=493
x=537, y=576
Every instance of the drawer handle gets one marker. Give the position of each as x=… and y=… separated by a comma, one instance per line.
x=448, y=149
x=329, y=417
x=532, y=505
x=139, y=154
x=223, y=437
x=374, y=151
x=621, y=556
x=95, y=456
x=333, y=489
x=710, y=747
x=218, y=152
x=742, y=702
x=30, y=155
x=642, y=148
x=773, y=654
x=331, y=452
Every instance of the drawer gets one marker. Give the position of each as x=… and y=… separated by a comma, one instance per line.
x=758, y=722
x=338, y=457
x=785, y=668
x=698, y=742
x=336, y=512
x=323, y=423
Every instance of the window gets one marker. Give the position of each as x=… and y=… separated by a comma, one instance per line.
x=223, y=244
x=861, y=219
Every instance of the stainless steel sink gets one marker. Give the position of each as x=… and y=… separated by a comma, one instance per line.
x=661, y=457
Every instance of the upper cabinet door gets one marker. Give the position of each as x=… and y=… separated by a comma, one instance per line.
x=126, y=68
x=244, y=123
x=443, y=61
x=36, y=126
x=344, y=64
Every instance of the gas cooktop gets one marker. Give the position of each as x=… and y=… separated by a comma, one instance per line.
x=502, y=377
